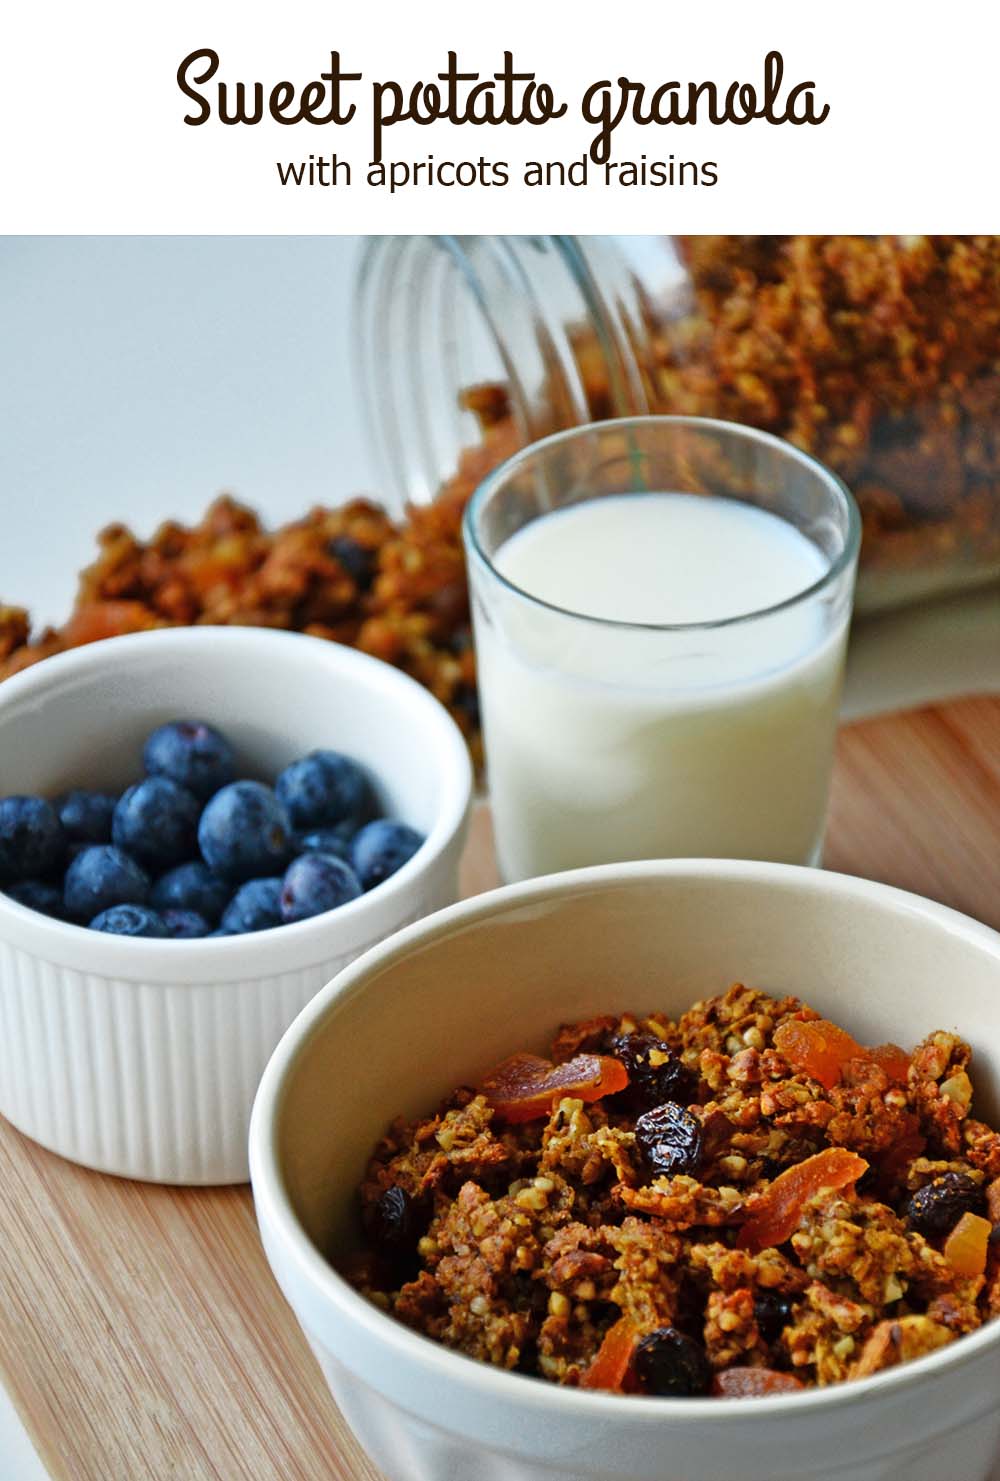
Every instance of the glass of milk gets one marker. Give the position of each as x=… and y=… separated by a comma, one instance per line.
x=661, y=608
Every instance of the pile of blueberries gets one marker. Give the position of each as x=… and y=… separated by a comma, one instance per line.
x=190, y=851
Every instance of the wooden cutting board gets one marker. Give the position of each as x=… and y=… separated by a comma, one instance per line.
x=141, y=1334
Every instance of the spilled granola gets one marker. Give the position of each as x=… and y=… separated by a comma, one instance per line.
x=742, y=1202
x=393, y=588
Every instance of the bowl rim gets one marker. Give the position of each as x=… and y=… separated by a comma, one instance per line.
x=202, y=961
x=274, y=1208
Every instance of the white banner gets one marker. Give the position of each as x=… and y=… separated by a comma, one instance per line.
x=307, y=117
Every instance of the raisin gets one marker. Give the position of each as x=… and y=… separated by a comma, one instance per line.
x=656, y=1074
x=937, y=1208
x=393, y=1223
x=466, y=700
x=869, y=1181
x=670, y=1139
x=460, y=641
x=356, y=559
x=772, y=1312
x=672, y=1365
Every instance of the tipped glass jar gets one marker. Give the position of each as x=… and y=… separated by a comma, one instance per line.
x=877, y=355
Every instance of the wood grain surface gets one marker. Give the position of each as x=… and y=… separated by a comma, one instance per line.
x=141, y=1335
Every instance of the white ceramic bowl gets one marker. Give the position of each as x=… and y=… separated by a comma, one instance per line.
x=447, y=998
x=141, y=1057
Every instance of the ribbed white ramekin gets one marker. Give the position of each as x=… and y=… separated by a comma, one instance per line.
x=141, y=1057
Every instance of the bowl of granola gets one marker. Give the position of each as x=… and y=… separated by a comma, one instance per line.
x=665, y=1171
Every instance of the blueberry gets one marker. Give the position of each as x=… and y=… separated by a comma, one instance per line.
x=335, y=840
x=129, y=920
x=37, y=895
x=86, y=816
x=32, y=842
x=315, y=883
x=245, y=832
x=256, y=906
x=224, y=931
x=185, y=925
x=194, y=887
x=191, y=753
x=102, y=876
x=156, y=822
x=325, y=788
x=380, y=848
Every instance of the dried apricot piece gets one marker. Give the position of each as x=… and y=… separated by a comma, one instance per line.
x=818, y=1048
x=524, y=1087
x=966, y=1245
x=93, y=621
x=775, y=1215
x=613, y=1359
x=892, y=1059
x=822, y=1049
x=753, y=1383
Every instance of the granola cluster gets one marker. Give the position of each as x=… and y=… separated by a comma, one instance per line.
x=879, y=355
x=740, y=1202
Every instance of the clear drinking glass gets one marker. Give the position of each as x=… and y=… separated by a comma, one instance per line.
x=611, y=739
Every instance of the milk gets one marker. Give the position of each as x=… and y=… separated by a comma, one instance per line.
x=609, y=742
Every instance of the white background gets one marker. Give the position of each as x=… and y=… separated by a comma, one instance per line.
x=90, y=114
x=142, y=376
